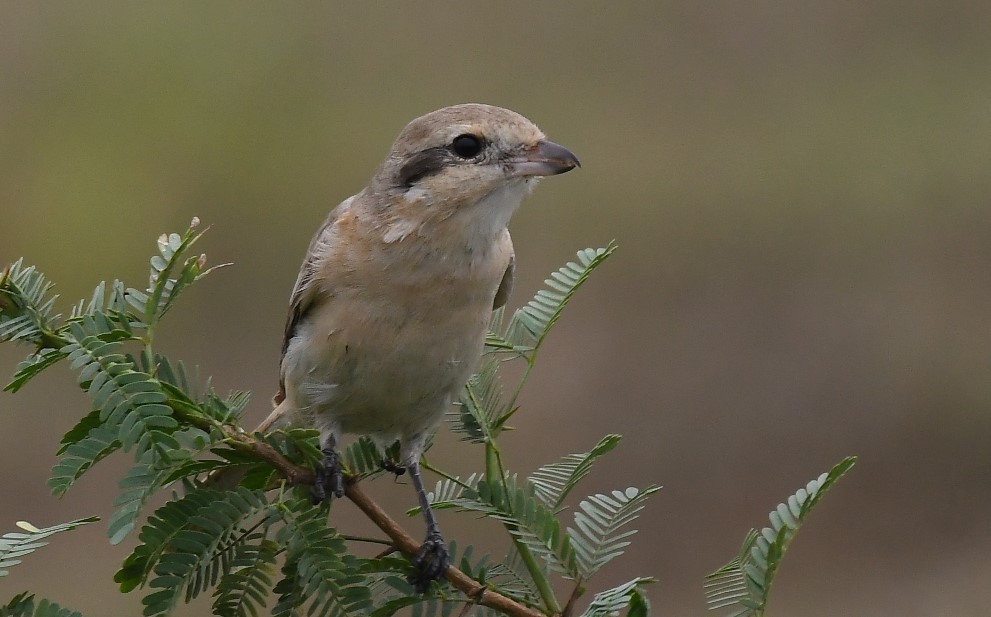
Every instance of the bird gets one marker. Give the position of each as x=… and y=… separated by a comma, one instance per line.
x=388, y=317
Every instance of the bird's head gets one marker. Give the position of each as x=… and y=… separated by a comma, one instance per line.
x=460, y=157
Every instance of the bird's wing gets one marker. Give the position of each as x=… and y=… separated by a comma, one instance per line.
x=506, y=285
x=304, y=291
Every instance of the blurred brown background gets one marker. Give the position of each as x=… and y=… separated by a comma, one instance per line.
x=800, y=194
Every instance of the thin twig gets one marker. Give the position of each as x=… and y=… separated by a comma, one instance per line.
x=466, y=609
x=575, y=594
x=440, y=472
x=292, y=472
x=392, y=549
x=352, y=538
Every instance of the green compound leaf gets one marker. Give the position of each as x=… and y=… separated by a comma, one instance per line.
x=15, y=545
x=612, y=601
x=743, y=585
x=552, y=483
x=598, y=536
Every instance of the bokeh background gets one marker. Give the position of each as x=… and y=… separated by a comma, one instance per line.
x=801, y=196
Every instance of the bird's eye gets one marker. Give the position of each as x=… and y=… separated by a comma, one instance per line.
x=466, y=146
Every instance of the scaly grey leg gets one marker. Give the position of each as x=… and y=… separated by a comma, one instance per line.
x=432, y=560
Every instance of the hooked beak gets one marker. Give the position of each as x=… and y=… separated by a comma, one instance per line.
x=546, y=158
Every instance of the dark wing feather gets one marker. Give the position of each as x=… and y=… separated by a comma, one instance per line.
x=304, y=290
x=506, y=286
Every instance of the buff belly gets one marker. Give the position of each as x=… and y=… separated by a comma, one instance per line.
x=385, y=371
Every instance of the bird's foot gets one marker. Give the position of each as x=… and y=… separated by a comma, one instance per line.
x=430, y=563
x=329, y=477
x=393, y=467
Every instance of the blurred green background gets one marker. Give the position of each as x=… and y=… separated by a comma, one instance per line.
x=800, y=192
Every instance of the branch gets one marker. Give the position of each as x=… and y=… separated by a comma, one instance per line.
x=295, y=474
x=292, y=472
x=404, y=542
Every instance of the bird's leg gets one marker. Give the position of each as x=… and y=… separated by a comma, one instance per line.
x=432, y=560
x=329, y=477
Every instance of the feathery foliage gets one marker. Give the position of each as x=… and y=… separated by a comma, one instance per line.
x=130, y=401
x=527, y=519
x=532, y=322
x=743, y=585
x=23, y=605
x=14, y=545
x=200, y=546
x=318, y=570
x=26, y=305
x=83, y=446
x=529, y=513
x=611, y=601
x=164, y=288
x=449, y=489
x=480, y=414
x=261, y=548
x=596, y=537
x=244, y=590
x=552, y=483
x=363, y=458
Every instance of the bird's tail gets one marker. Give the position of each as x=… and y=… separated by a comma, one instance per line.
x=228, y=479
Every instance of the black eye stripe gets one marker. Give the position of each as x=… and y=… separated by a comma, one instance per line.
x=423, y=164
x=432, y=160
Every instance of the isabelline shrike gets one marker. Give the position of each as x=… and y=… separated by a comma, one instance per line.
x=389, y=313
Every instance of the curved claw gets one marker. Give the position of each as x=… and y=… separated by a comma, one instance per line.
x=431, y=563
x=329, y=478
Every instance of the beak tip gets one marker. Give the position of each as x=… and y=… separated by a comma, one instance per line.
x=545, y=158
x=558, y=158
